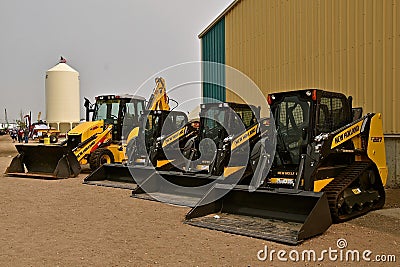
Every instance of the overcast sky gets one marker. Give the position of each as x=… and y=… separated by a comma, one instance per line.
x=115, y=45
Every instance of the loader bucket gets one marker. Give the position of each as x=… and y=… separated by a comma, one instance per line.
x=170, y=187
x=282, y=215
x=112, y=175
x=44, y=161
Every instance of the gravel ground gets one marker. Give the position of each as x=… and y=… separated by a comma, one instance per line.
x=65, y=223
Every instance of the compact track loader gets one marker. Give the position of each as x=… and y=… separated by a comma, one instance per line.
x=156, y=122
x=329, y=165
x=227, y=131
x=95, y=142
x=118, y=175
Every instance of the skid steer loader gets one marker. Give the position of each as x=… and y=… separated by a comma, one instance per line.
x=118, y=175
x=157, y=121
x=329, y=166
x=183, y=173
x=92, y=142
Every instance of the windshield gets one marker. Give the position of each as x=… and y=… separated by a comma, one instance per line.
x=152, y=123
x=107, y=110
x=219, y=122
x=291, y=119
x=213, y=119
x=152, y=129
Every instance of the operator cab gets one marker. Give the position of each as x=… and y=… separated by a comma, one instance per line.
x=299, y=117
x=220, y=123
x=220, y=120
x=155, y=126
x=160, y=123
x=121, y=111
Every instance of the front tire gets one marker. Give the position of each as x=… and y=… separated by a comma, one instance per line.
x=99, y=157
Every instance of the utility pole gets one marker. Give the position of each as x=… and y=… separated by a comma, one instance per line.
x=6, y=118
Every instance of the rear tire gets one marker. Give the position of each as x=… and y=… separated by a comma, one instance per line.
x=100, y=157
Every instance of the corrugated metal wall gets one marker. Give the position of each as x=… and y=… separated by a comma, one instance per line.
x=213, y=50
x=347, y=46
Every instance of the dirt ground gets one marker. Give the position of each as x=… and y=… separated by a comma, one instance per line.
x=66, y=223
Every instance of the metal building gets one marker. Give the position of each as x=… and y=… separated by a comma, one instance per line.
x=351, y=47
x=62, y=97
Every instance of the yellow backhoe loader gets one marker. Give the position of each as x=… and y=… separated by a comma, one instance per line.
x=92, y=142
x=329, y=165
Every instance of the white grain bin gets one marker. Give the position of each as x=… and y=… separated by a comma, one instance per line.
x=62, y=97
